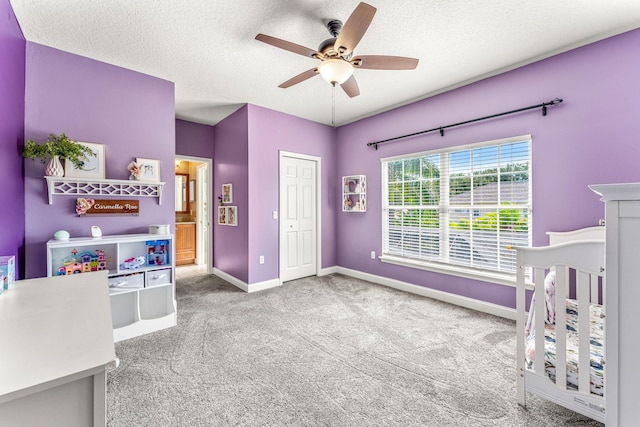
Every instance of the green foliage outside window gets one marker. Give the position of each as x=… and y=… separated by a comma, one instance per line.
x=416, y=182
x=503, y=220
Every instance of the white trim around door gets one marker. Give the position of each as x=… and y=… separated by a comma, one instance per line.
x=209, y=219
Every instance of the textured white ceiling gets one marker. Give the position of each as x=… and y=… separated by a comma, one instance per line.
x=207, y=47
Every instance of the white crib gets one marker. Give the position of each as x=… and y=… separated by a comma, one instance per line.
x=570, y=371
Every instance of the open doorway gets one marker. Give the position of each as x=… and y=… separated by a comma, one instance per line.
x=194, y=233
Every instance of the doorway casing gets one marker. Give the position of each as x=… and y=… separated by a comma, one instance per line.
x=204, y=232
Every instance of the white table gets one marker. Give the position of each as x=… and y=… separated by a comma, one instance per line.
x=56, y=344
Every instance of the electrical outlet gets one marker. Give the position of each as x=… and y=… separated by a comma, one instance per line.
x=261, y=259
x=373, y=254
x=275, y=214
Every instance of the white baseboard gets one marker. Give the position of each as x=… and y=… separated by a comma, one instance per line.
x=474, y=304
x=253, y=287
x=261, y=286
x=327, y=271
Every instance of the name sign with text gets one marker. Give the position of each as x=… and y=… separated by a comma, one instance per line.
x=107, y=207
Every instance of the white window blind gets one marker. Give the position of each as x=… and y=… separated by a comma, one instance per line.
x=465, y=207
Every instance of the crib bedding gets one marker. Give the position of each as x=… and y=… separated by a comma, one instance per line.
x=596, y=347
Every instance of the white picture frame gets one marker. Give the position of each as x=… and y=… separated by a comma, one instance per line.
x=222, y=215
x=232, y=215
x=227, y=193
x=94, y=166
x=150, y=169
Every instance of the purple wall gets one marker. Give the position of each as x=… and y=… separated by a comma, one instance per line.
x=12, y=68
x=131, y=113
x=197, y=140
x=590, y=138
x=194, y=139
x=270, y=132
x=230, y=165
x=247, y=155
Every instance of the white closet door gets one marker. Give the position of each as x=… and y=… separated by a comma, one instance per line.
x=298, y=218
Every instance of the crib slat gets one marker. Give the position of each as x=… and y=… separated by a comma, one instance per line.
x=521, y=322
x=595, y=294
x=538, y=320
x=584, y=332
x=562, y=274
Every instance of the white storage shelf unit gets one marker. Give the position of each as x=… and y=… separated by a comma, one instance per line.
x=142, y=298
x=354, y=193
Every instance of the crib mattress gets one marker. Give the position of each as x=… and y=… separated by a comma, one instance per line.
x=596, y=347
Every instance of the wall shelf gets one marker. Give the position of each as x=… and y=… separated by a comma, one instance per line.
x=102, y=187
x=354, y=193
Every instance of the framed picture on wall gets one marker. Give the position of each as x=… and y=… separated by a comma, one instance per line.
x=232, y=215
x=227, y=193
x=149, y=169
x=93, y=166
x=222, y=215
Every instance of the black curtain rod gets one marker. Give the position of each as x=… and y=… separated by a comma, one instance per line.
x=442, y=128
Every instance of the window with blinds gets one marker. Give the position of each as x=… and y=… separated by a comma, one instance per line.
x=464, y=207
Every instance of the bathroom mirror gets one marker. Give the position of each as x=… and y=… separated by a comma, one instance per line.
x=182, y=192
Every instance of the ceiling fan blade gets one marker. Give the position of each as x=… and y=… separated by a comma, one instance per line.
x=383, y=62
x=299, y=78
x=353, y=30
x=350, y=87
x=291, y=47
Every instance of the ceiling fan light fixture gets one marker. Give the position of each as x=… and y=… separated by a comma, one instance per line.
x=335, y=70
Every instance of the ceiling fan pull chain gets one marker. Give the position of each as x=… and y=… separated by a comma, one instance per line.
x=333, y=104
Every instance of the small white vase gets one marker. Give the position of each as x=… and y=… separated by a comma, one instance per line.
x=54, y=167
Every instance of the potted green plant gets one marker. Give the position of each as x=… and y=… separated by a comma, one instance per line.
x=57, y=147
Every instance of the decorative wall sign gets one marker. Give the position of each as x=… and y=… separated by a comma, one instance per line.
x=107, y=207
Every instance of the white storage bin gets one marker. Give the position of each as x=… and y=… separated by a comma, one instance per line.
x=126, y=281
x=159, y=229
x=158, y=277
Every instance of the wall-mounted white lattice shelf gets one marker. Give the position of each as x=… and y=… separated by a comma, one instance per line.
x=354, y=193
x=102, y=187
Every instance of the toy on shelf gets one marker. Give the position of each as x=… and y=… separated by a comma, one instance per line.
x=348, y=203
x=359, y=206
x=85, y=262
x=8, y=271
x=132, y=263
x=158, y=252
